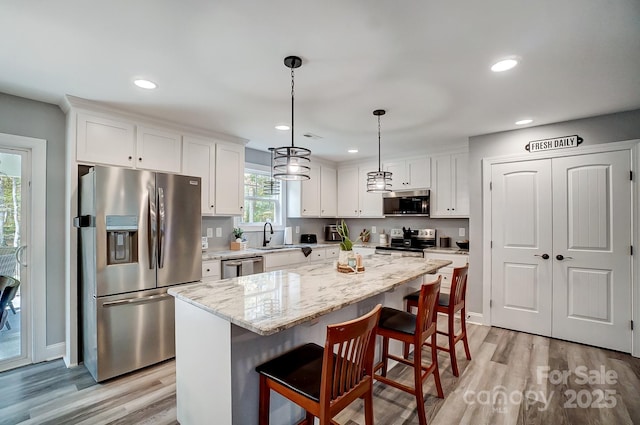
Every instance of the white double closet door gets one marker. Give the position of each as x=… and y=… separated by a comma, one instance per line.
x=561, y=261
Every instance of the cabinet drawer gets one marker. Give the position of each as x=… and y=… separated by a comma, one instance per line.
x=283, y=259
x=332, y=253
x=318, y=254
x=211, y=270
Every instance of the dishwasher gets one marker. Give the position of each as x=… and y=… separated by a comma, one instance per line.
x=242, y=266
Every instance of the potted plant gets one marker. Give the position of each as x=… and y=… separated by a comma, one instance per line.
x=237, y=234
x=346, y=246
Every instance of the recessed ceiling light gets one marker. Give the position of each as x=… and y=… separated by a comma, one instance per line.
x=523, y=122
x=504, y=65
x=282, y=127
x=145, y=84
x=353, y=151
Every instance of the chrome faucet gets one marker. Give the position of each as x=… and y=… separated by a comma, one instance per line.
x=264, y=234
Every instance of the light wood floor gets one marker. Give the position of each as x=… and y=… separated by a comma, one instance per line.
x=501, y=385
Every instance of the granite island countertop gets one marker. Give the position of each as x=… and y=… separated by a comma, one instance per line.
x=270, y=302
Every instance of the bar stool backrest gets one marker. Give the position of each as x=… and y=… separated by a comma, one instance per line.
x=427, y=312
x=458, y=288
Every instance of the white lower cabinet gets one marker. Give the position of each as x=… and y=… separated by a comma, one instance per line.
x=279, y=260
x=211, y=270
x=458, y=260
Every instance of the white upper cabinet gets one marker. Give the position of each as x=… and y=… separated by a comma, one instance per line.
x=229, y=179
x=348, y=203
x=315, y=197
x=105, y=141
x=221, y=168
x=199, y=159
x=353, y=198
x=328, y=192
x=450, y=188
x=101, y=140
x=158, y=149
x=410, y=174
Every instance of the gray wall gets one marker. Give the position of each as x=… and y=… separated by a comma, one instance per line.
x=30, y=118
x=595, y=130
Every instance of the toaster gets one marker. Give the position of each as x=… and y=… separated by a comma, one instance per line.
x=308, y=238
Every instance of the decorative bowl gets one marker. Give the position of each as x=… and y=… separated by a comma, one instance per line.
x=463, y=244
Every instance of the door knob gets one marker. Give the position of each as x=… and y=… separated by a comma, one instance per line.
x=561, y=257
x=544, y=256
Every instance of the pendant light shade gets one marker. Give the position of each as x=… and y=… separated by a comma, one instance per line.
x=291, y=162
x=379, y=181
x=271, y=187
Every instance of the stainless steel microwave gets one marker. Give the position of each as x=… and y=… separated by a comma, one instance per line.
x=414, y=203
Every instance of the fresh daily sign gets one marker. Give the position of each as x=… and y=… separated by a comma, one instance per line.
x=556, y=143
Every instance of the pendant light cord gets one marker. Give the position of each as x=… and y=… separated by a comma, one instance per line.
x=379, y=166
x=292, y=101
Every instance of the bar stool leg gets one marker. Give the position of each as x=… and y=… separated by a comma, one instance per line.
x=452, y=345
x=368, y=409
x=463, y=320
x=417, y=378
x=385, y=355
x=265, y=399
x=436, y=370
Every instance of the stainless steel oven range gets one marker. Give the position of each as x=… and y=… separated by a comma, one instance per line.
x=408, y=243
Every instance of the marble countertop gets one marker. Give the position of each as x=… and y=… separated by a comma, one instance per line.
x=252, y=252
x=270, y=302
x=447, y=250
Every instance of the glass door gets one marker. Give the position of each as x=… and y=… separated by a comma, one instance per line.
x=13, y=283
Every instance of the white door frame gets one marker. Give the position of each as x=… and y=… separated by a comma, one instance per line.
x=37, y=288
x=487, y=163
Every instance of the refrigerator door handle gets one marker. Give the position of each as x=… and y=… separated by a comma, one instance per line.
x=142, y=300
x=161, y=236
x=153, y=229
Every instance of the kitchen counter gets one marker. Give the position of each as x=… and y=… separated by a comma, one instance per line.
x=252, y=252
x=447, y=250
x=270, y=302
x=224, y=329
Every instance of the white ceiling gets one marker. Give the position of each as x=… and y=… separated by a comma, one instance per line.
x=219, y=64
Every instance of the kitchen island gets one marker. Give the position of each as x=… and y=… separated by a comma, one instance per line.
x=225, y=328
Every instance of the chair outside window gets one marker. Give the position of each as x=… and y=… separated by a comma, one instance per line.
x=450, y=304
x=414, y=330
x=8, y=289
x=325, y=381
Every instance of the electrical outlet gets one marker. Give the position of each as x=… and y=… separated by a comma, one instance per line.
x=374, y=230
x=218, y=232
x=297, y=229
x=209, y=232
x=461, y=231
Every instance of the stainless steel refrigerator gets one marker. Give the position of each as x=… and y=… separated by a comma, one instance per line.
x=140, y=232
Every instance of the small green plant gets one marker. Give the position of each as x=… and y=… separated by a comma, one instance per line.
x=237, y=232
x=343, y=231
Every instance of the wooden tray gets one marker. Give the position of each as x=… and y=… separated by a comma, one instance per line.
x=347, y=269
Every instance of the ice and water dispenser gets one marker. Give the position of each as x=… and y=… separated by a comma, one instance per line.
x=122, y=239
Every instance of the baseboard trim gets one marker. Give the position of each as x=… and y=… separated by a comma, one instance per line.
x=54, y=351
x=475, y=318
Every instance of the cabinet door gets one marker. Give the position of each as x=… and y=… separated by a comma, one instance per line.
x=211, y=270
x=460, y=184
x=441, y=187
x=158, y=150
x=418, y=171
x=328, y=192
x=398, y=177
x=198, y=159
x=310, y=196
x=104, y=141
x=370, y=203
x=348, y=190
x=229, y=180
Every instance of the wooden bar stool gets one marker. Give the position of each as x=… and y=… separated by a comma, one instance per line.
x=450, y=304
x=412, y=329
x=325, y=381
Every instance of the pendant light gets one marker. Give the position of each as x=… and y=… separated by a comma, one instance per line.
x=271, y=187
x=379, y=181
x=291, y=162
